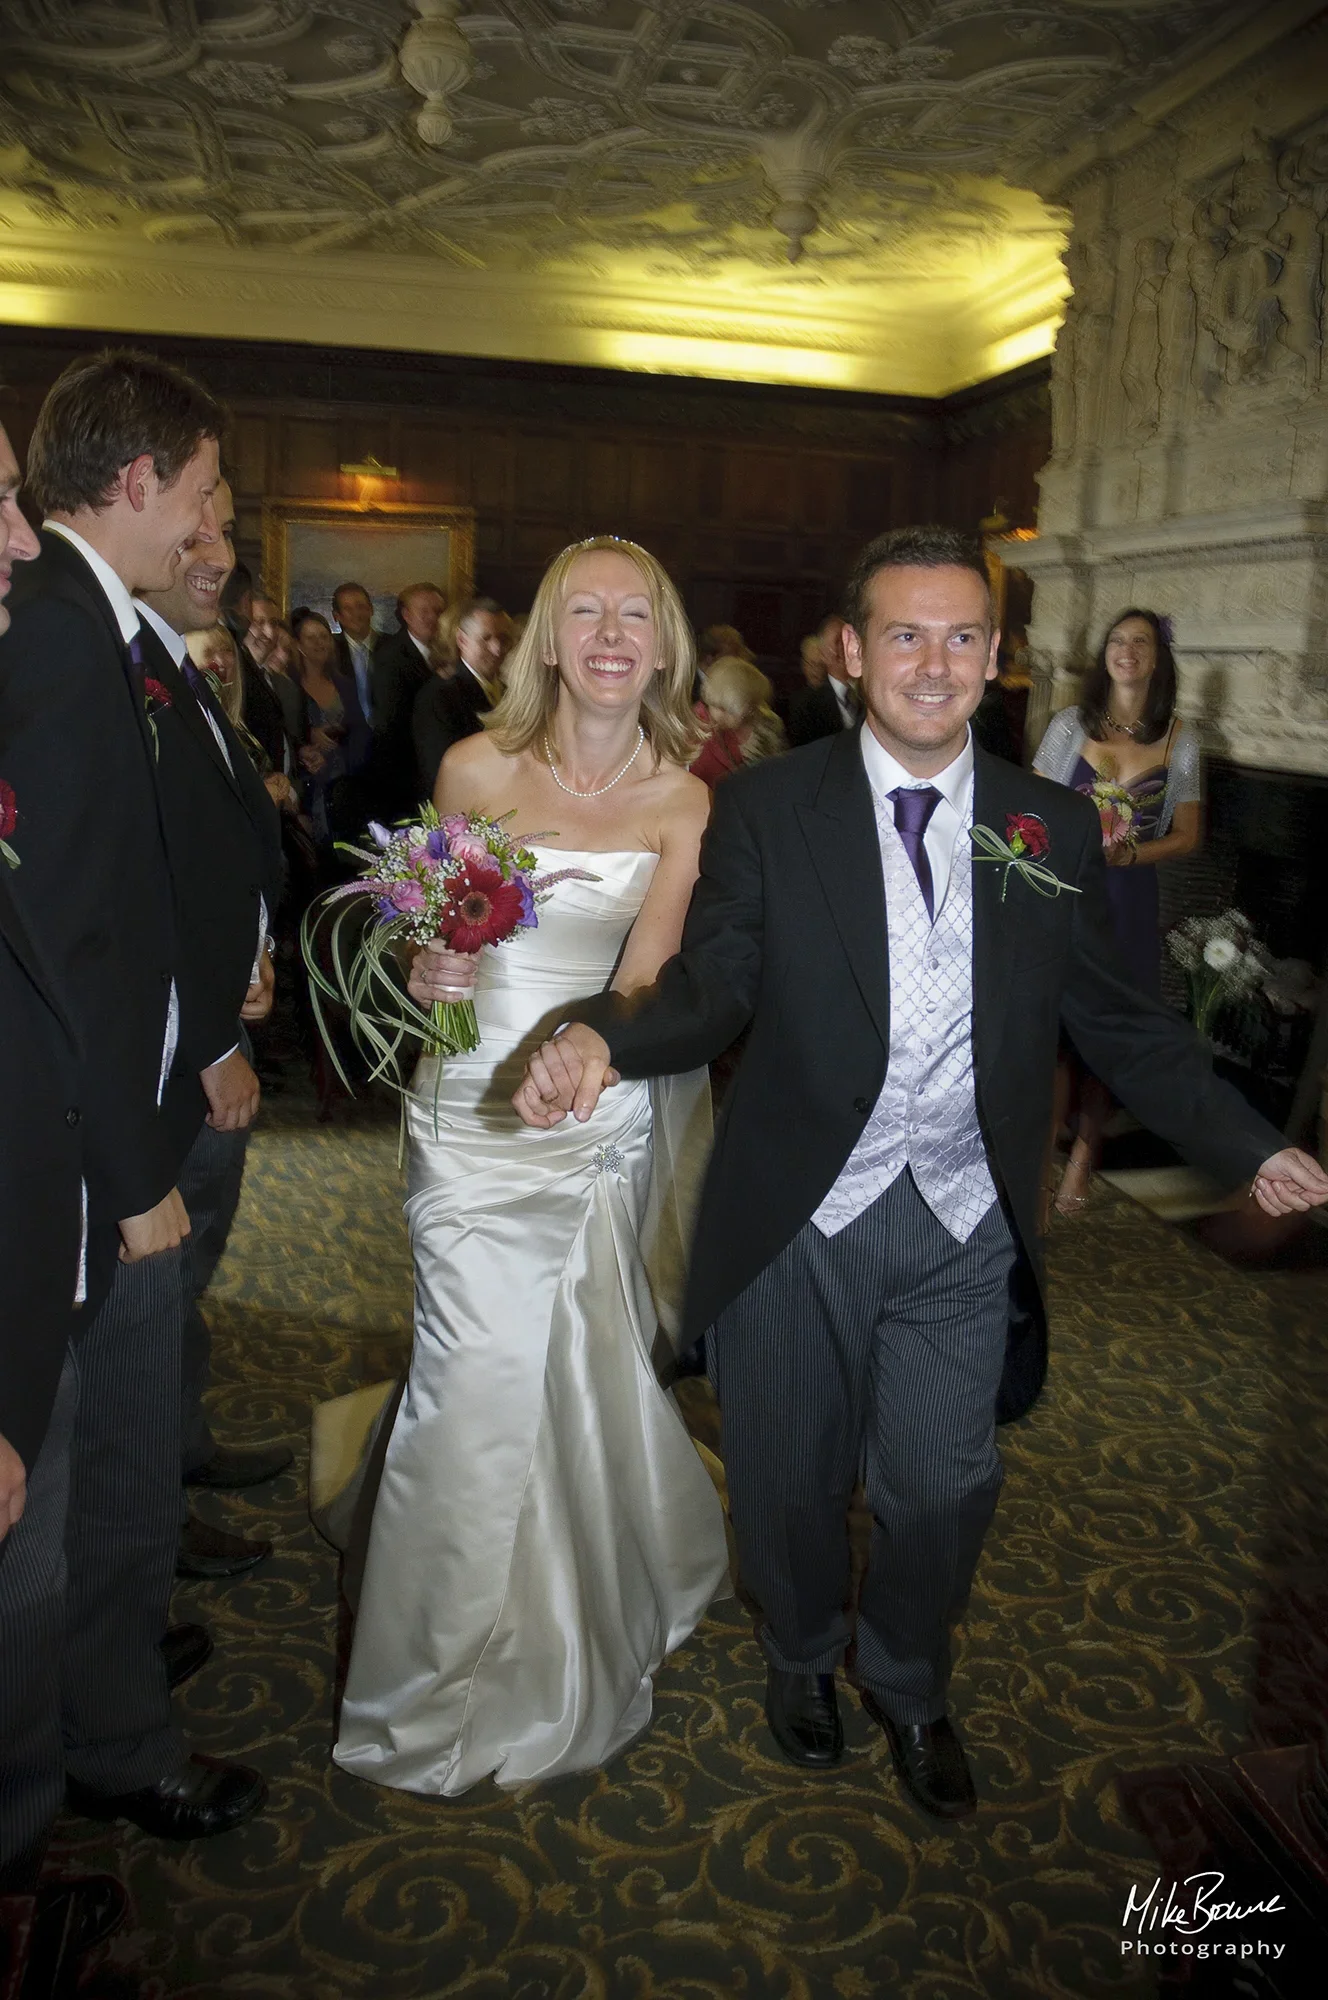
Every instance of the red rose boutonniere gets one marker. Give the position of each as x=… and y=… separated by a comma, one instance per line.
x=1024, y=848
x=8, y=821
x=1027, y=834
x=156, y=696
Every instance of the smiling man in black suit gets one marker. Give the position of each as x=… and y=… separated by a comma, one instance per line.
x=866, y=1255
x=123, y=462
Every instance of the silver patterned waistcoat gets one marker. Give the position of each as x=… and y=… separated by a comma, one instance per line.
x=926, y=1115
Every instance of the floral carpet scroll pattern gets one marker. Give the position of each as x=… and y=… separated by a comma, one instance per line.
x=1114, y=1626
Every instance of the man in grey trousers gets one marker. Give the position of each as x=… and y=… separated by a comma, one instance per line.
x=866, y=1256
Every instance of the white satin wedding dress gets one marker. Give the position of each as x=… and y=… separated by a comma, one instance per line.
x=544, y=1531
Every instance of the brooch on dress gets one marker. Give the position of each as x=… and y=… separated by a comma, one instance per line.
x=608, y=1160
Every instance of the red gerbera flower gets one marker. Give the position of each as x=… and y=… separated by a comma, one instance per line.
x=481, y=909
x=1029, y=829
x=8, y=809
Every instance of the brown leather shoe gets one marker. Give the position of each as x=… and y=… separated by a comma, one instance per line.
x=929, y=1761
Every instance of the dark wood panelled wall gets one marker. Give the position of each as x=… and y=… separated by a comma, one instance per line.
x=754, y=498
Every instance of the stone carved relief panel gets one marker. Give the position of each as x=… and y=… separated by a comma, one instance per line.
x=1190, y=462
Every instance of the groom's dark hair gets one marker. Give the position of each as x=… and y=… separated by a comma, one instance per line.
x=929, y=547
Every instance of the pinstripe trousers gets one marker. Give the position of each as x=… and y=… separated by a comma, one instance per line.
x=877, y=1350
x=209, y=1183
x=85, y=1576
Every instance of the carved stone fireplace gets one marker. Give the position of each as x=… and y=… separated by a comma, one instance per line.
x=1189, y=470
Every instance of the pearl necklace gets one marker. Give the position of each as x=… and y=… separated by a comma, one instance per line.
x=599, y=790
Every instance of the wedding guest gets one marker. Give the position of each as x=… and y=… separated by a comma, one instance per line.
x=469, y=649
x=124, y=467
x=338, y=737
x=1125, y=731
x=269, y=650
x=402, y=666
x=352, y=607
x=224, y=843
x=744, y=727
x=263, y=703
x=832, y=703
x=544, y=1530
x=215, y=652
x=721, y=642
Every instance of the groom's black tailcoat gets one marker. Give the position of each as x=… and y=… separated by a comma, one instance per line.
x=787, y=932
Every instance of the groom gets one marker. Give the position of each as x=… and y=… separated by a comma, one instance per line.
x=866, y=1255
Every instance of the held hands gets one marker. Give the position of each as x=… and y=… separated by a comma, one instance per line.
x=566, y=1074
x=161, y=1228
x=439, y=974
x=1289, y=1182
x=13, y=1487
x=232, y=1092
x=258, y=1000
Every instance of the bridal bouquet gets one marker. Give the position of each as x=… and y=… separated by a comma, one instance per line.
x=464, y=879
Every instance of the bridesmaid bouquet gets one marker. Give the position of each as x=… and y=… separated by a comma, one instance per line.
x=464, y=879
x=1116, y=808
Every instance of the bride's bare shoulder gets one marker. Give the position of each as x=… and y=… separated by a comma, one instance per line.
x=474, y=775
x=684, y=801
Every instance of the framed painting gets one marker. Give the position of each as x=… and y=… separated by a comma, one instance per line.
x=310, y=546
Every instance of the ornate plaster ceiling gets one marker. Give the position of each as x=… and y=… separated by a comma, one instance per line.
x=802, y=190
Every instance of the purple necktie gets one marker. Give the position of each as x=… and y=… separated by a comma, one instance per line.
x=914, y=806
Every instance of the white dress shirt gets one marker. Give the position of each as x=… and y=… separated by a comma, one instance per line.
x=951, y=817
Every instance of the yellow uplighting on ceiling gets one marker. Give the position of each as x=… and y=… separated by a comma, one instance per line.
x=836, y=196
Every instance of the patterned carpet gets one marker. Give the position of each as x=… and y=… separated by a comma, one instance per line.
x=1158, y=1509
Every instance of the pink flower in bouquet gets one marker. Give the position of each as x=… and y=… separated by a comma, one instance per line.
x=407, y=896
x=1115, y=825
x=466, y=844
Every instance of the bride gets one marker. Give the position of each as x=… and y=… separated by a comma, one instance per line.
x=544, y=1531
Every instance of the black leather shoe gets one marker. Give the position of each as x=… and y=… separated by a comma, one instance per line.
x=803, y=1713
x=229, y=1470
x=185, y=1648
x=69, y=1919
x=930, y=1762
x=204, y=1797
x=210, y=1552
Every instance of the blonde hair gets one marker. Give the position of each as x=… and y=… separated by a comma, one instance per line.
x=230, y=694
x=522, y=718
x=740, y=687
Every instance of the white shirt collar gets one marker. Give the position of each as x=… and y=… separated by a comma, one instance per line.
x=117, y=595
x=419, y=643
x=885, y=773
x=172, y=640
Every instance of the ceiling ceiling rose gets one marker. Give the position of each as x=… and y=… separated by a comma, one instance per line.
x=836, y=192
x=436, y=60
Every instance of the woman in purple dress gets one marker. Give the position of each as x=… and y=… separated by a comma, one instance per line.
x=1126, y=731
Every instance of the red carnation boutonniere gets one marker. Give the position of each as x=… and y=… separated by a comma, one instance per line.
x=156, y=696
x=8, y=821
x=1024, y=849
